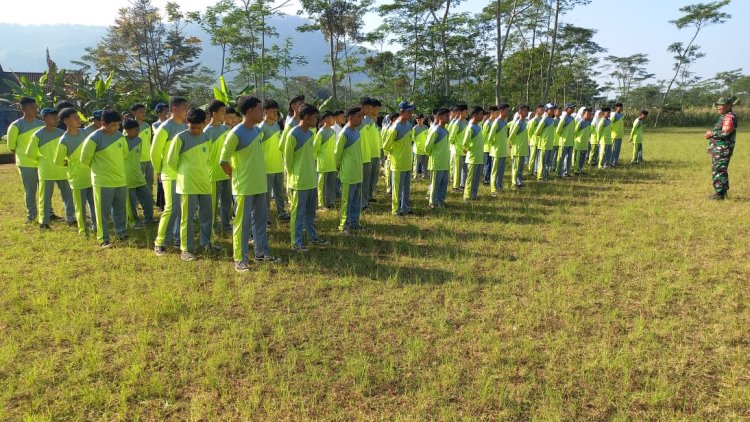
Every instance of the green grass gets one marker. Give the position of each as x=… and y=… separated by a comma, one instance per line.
x=620, y=295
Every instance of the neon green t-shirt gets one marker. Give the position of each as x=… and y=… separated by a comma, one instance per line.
x=69, y=152
x=518, y=138
x=244, y=152
x=438, y=149
x=299, y=159
x=397, y=145
x=566, y=131
x=618, y=125
x=42, y=147
x=349, y=156
x=636, y=134
x=159, y=148
x=473, y=144
x=217, y=135
x=499, y=138
x=105, y=155
x=133, y=174
x=189, y=156
x=19, y=136
x=272, y=150
x=420, y=138
x=582, y=135
x=324, y=150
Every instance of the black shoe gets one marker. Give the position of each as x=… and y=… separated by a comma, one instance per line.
x=30, y=221
x=285, y=217
x=72, y=223
x=717, y=197
x=44, y=227
x=54, y=217
x=105, y=245
x=373, y=200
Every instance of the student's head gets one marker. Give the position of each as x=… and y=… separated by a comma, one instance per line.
x=326, y=119
x=196, y=119
x=442, y=115
x=162, y=111
x=618, y=107
x=503, y=110
x=587, y=114
x=127, y=116
x=605, y=112
x=476, y=113
x=353, y=116
x=28, y=106
x=131, y=127
x=375, y=105
x=494, y=111
x=338, y=117
x=232, y=117
x=111, y=121
x=364, y=104
x=217, y=111
x=178, y=106
x=295, y=103
x=50, y=117
x=462, y=111
x=251, y=110
x=405, y=110
x=420, y=119
x=308, y=115
x=570, y=108
x=70, y=117
x=64, y=104
x=523, y=111
x=644, y=115
x=539, y=109
x=271, y=111
x=139, y=112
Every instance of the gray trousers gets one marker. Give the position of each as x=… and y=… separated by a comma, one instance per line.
x=141, y=195
x=374, y=174
x=366, y=183
x=148, y=172
x=327, y=189
x=110, y=202
x=223, y=201
x=276, y=187
x=251, y=217
x=30, y=180
x=46, y=187
x=204, y=204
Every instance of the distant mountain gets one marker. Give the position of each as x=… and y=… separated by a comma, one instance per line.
x=23, y=48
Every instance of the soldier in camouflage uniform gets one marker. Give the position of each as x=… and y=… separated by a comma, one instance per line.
x=721, y=145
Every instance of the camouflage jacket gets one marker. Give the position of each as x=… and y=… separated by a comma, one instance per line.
x=723, y=135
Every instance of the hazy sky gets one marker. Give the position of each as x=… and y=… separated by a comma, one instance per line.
x=624, y=27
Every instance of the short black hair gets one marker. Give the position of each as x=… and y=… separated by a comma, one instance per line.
x=376, y=103
x=247, y=103
x=475, y=110
x=618, y=104
x=441, y=111
x=111, y=116
x=365, y=101
x=538, y=106
x=295, y=99
x=644, y=112
x=177, y=101
x=306, y=110
x=270, y=105
x=67, y=112
x=587, y=110
x=524, y=106
x=337, y=112
x=26, y=101
x=64, y=104
x=606, y=109
x=326, y=114
x=137, y=106
x=232, y=110
x=215, y=106
x=196, y=115
x=462, y=107
x=351, y=111
x=494, y=108
x=503, y=106
x=130, y=124
x=419, y=116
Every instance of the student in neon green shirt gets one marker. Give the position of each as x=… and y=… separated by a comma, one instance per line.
x=145, y=133
x=582, y=136
x=232, y=117
x=566, y=139
x=533, y=158
x=397, y=145
x=456, y=136
x=68, y=154
x=545, y=142
x=603, y=134
x=364, y=145
x=221, y=185
x=273, y=153
x=376, y=146
x=437, y=149
x=299, y=162
x=325, y=154
x=498, y=140
x=169, y=223
x=518, y=133
x=138, y=190
x=420, y=156
x=490, y=119
x=42, y=147
x=636, y=137
x=473, y=144
x=242, y=160
x=104, y=151
x=618, y=132
x=349, y=164
x=189, y=156
x=19, y=135
x=387, y=123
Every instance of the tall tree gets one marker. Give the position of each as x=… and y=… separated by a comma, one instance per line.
x=696, y=16
x=628, y=71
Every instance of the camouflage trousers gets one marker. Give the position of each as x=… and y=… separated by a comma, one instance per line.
x=720, y=174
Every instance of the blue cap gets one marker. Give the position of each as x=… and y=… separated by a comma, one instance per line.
x=570, y=105
x=98, y=114
x=45, y=111
x=404, y=106
x=160, y=107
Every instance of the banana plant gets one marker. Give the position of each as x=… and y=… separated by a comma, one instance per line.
x=225, y=95
x=23, y=87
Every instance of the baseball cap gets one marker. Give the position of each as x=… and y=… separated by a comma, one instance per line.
x=404, y=105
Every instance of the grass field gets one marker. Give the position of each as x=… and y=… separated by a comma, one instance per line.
x=622, y=294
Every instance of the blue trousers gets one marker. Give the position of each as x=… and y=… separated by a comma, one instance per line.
x=46, y=188
x=110, y=202
x=564, y=161
x=304, y=204
x=438, y=187
x=189, y=203
x=517, y=166
x=351, y=205
x=251, y=217
x=366, y=183
x=616, y=147
x=487, y=169
x=222, y=198
x=30, y=180
x=276, y=189
x=142, y=195
x=401, y=190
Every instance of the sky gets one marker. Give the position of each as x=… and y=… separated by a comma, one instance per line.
x=623, y=27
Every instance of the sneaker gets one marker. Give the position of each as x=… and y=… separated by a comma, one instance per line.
x=285, y=217
x=44, y=227
x=123, y=238
x=358, y=227
x=251, y=242
x=345, y=231
x=716, y=197
x=105, y=245
x=374, y=200
x=72, y=223
x=54, y=217
x=267, y=258
x=187, y=256
x=298, y=248
x=212, y=248
x=160, y=250
x=30, y=221
x=320, y=242
x=138, y=226
x=241, y=267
